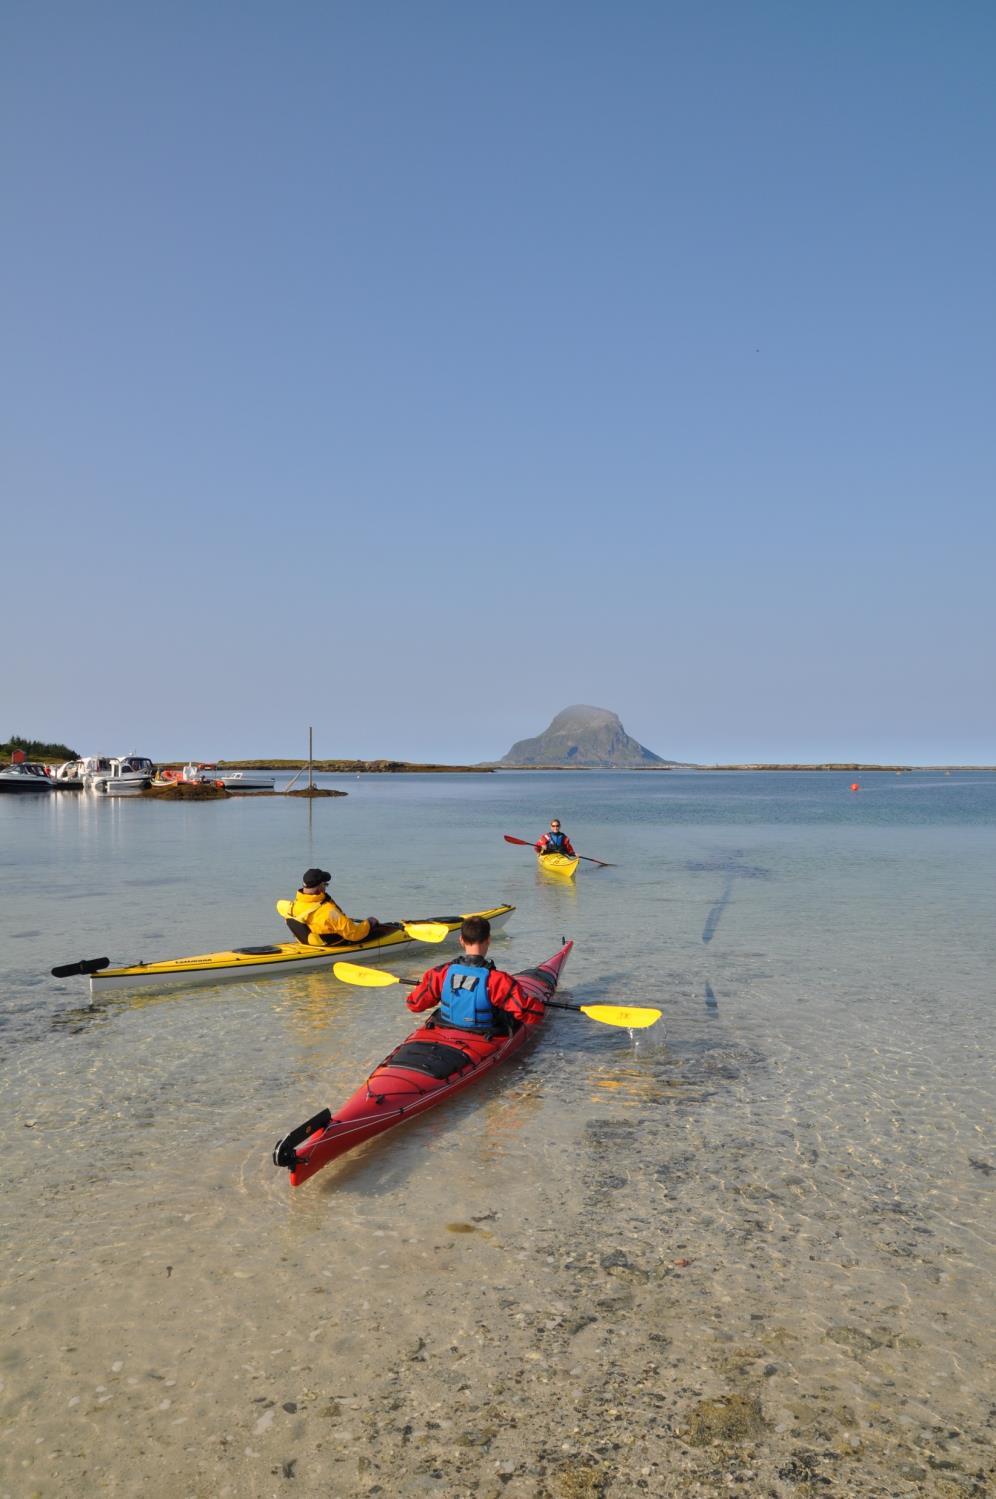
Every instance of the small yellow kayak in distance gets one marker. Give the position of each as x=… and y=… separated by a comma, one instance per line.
x=559, y=864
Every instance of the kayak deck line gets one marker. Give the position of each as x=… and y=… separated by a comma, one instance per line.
x=403, y=1086
x=239, y=963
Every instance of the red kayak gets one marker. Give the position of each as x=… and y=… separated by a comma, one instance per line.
x=432, y=1064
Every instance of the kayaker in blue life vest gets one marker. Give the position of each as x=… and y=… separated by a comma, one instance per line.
x=314, y=917
x=472, y=994
x=555, y=841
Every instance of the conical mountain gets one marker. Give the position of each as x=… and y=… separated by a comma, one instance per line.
x=590, y=738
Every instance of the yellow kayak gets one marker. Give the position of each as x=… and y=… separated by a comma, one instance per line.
x=561, y=864
x=242, y=963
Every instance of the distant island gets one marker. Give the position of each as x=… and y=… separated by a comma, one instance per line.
x=583, y=738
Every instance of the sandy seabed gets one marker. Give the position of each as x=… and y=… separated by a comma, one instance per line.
x=592, y=1309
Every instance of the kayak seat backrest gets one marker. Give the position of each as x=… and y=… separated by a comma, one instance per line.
x=430, y=1057
x=298, y=929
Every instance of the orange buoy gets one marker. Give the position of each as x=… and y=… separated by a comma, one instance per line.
x=855, y=786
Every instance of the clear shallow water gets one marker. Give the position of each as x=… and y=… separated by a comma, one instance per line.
x=812, y=1131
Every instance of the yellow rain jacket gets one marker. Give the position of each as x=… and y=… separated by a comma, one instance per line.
x=323, y=918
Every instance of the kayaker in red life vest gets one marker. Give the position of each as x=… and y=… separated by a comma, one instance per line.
x=472, y=994
x=555, y=842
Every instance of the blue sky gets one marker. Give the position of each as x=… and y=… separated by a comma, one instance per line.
x=413, y=370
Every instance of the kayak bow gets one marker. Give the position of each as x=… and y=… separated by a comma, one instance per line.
x=562, y=864
x=430, y=1065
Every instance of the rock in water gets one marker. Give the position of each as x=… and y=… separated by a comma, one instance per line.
x=592, y=738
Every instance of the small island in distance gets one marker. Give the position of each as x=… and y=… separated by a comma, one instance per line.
x=586, y=738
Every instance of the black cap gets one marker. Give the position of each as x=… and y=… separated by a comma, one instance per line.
x=313, y=877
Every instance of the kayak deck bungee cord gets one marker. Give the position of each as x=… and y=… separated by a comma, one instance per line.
x=239, y=964
x=430, y=1065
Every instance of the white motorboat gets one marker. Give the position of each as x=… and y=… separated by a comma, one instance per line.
x=69, y=776
x=124, y=772
x=245, y=780
x=25, y=775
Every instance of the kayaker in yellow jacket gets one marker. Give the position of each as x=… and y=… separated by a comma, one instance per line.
x=314, y=917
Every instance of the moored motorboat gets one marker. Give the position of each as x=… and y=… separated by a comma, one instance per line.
x=429, y=1066
x=241, y=963
x=111, y=787
x=25, y=776
x=98, y=771
x=564, y=865
x=68, y=776
x=246, y=780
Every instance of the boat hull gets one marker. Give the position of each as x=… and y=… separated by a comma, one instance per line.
x=24, y=777
x=562, y=865
x=394, y=1093
x=237, y=965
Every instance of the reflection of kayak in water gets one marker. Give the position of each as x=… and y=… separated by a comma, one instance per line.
x=241, y=963
x=433, y=1063
x=561, y=864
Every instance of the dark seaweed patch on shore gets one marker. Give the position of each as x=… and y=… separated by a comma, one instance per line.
x=72, y=1022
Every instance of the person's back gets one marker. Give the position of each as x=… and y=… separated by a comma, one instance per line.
x=472, y=994
x=464, y=1001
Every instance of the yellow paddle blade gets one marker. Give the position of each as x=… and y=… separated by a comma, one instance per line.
x=367, y=978
x=427, y=931
x=284, y=908
x=629, y=1017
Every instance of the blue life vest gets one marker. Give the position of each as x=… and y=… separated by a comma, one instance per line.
x=554, y=843
x=464, y=1001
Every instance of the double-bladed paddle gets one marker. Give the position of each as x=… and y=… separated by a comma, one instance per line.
x=629, y=1017
x=602, y=864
